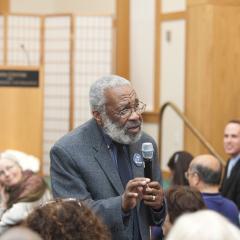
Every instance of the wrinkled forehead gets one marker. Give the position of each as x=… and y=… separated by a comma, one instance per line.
x=120, y=95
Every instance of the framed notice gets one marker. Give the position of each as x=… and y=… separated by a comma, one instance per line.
x=19, y=78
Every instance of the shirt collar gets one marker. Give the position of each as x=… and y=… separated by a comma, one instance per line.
x=235, y=159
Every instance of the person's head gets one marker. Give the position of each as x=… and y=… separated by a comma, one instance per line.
x=20, y=233
x=66, y=219
x=10, y=171
x=116, y=108
x=231, y=140
x=204, y=171
x=203, y=225
x=178, y=164
x=180, y=200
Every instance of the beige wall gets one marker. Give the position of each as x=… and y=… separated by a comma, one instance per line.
x=63, y=6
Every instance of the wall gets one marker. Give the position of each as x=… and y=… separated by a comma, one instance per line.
x=213, y=73
x=63, y=6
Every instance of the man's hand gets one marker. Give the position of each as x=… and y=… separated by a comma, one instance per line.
x=153, y=195
x=133, y=192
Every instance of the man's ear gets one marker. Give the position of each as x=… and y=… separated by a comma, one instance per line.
x=98, y=117
x=196, y=179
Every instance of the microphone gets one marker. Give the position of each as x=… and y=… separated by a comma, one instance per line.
x=147, y=153
x=22, y=46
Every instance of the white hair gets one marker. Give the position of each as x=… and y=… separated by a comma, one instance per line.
x=96, y=93
x=25, y=161
x=203, y=225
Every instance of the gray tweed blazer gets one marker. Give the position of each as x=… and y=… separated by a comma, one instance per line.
x=81, y=167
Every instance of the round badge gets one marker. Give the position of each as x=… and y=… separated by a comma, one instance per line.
x=137, y=159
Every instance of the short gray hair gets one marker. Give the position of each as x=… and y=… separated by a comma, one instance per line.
x=96, y=93
x=196, y=226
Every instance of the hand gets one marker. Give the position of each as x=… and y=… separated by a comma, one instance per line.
x=133, y=192
x=153, y=195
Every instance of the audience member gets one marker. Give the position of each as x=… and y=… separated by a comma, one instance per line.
x=231, y=180
x=180, y=200
x=203, y=225
x=178, y=165
x=205, y=173
x=66, y=219
x=26, y=161
x=20, y=192
x=100, y=162
x=20, y=233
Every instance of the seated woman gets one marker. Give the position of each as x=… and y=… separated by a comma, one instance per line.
x=178, y=165
x=20, y=192
x=66, y=219
x=180, y=200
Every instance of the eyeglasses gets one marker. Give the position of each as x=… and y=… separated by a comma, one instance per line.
x=139, y=108
x=59, y=200
x=187, y=174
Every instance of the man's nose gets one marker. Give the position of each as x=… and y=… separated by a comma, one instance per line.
x=134, y=115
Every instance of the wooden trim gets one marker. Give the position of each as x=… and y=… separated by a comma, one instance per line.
x=4, y=6
x=42, y=67
x=5, y=40
x=156, y=104
x=42, y=83
x=114, y=44
x=58, y=15
x=72, y=55
x=122, y=38
x=94, y=15
x=25, y=14
x=42, y=46
x=173, y=16
x=17, y=67
x=213, y=2
x=151, y=117
x=185, y=129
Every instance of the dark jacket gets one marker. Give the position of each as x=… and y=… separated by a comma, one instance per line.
x=231, y=186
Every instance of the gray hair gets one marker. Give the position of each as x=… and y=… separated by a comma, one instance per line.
x=208, y=175
x=97, y=90
x=196, y=226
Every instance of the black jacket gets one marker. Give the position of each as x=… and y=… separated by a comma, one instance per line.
x=231, y=186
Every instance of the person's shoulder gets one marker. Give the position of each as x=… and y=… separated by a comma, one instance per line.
x=78, y=134
x=230, y=204
x=147, y=138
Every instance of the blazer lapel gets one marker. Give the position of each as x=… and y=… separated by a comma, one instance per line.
x=134, y=149
x=105, y=161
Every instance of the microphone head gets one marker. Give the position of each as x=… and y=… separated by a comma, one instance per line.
x=147, y=150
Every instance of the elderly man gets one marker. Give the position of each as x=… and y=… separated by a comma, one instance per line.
x=204, y=173
x=231, y=181
x=100, y=162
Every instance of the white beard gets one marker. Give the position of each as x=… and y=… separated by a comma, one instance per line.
x=119, y=134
